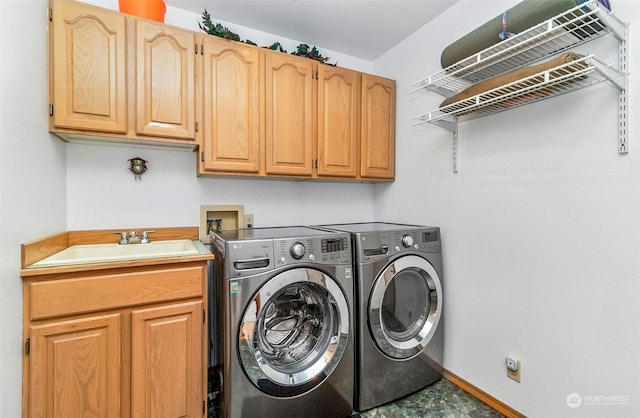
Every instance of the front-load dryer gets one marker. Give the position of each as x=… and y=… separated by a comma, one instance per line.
x=287, y=322
x=399, y=328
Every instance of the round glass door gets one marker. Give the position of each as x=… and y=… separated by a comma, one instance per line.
x=405, y=307
x=294, y=332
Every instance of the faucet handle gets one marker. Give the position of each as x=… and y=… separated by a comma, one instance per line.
x=123, y=238
x=145, y=237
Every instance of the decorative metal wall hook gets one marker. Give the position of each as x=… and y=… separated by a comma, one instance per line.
x=137, y=166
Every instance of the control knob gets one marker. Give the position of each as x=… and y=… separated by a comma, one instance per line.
x=297, y=250
x=407, y=241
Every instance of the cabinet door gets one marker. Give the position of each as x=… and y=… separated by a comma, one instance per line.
x=231, y=107
x=289, y=114
x=338, y=121
x=88, y=62
x=75, y=368
x=377, y=159
x=165, y=81
x=167, y=358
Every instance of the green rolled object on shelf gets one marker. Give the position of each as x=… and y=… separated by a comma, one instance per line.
x=519, y=18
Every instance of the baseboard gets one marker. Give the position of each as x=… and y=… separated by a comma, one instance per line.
x=481, y=395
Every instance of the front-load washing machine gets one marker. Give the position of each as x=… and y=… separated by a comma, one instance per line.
x=287, y=322
x=399, y=329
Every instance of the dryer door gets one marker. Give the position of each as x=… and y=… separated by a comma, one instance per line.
x=405, y=307
x=293, y=332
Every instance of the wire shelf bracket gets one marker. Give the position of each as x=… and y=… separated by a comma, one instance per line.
x=623, y=139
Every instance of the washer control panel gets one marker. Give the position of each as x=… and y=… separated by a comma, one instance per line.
x=407, y=241
x=328, y=250
x=297, y=250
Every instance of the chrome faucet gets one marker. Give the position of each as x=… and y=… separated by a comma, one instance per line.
x=133, y=238
x=124, y=239
x=145, y=237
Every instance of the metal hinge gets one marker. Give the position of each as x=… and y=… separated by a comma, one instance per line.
x=50, y=110
x=27, y=345
x=50, y=14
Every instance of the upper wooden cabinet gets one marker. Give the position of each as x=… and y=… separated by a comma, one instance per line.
x=293, y=117
x=249, y=111
x=232, y=110
x=338, y=121
x=88, y=86
x=289, y=114
x=377, y=159
x=120, y=77
x=165, y=81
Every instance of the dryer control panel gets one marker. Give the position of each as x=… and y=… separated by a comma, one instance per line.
x=417, y=240
x=376, y=245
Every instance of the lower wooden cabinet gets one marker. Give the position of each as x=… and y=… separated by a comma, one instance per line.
x=126, y=342
x=75, y=367
x=167, y=361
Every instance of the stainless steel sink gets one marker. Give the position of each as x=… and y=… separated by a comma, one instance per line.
x=102, y=253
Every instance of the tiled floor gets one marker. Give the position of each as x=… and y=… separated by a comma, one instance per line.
x=442, y=400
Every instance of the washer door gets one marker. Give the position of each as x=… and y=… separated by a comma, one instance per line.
x=293, y=332
x=405, y=307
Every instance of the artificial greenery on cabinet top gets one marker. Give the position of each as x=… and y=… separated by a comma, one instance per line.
x=216, y=29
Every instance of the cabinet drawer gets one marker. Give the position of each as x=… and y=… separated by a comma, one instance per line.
x=86, y=294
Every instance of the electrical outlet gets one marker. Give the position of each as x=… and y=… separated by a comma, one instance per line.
x=248, y=221
x=514, y=368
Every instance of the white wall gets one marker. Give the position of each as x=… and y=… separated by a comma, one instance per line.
x=102, y=193
x=540, y=229
x=32, y=174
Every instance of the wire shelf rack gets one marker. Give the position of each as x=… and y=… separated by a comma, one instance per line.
x=581, y=24
x=567, y=30
x=558, y=80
